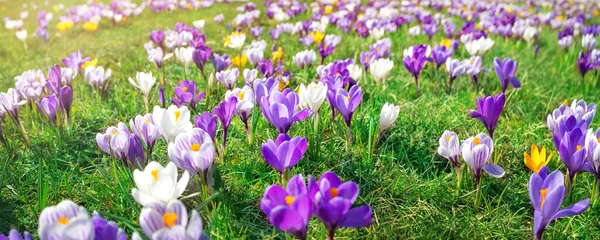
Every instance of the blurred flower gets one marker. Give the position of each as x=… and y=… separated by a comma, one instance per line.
x=157, y=36
x=235, y=40
x=98, y=78
x=388, y=115
x=90, y=26
x=64, y=25
x=221, y=62
x=380, y=69
x=157, y=56
x=144, y=82
x=240, y=61
x=75, y=60
x=48, y=106
x=479, y=46
x=588, y=42
x=21, y=34
x=90, y=63
x=505, y=70
x=15, y=235
x=66, y=220
x=184, y=55
x=170, y=221
x=228, y=77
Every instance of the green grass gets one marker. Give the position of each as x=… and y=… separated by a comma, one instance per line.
x=411, y=189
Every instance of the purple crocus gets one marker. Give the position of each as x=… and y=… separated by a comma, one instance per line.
x=439, y=54
x=207, y=122
x=225, y=111
x=476, y=152
x=193, y=151
x=54, y=81
x=47, y=106
x=573, y=153
x=266, y=68
x=505, y=70
x=366, y=58
x=282, y=109
x=325, y=51
x=221, y=62
x=547, y=194
x=161, y=96
x=106, y=230
x=430, y=29
x=414, y=59
x=157, y=36
x=584, y=64
x=289, y=209
x=346, y=102
x=171, y=221
x=144, y=128
x=284, y=152
x=64, y=220
x=455, y=68
x=185, y=94
x=75, y=60
x=15, y=235
x=333, y=200
x=256, y=31
x=488, y=111
x=201, y=56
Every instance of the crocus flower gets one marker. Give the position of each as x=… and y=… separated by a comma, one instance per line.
x=256, y=31
x=225, y=112
x=505, y=70
x=104, y=229
x=488, y=111
x=207, y=122
x=333, y=200
x=537, y=160
x=388, y=115
x=184, y=55
x=305, y=58
x=473, y=68
x=66, y=220
x=547, y=194
x=354, y=71
x=346, y=102
x=221, y=62
x=54, y=81
x=284, y=152
x=282, y=109
x=144, y=128
x=157, y=56
x=75, y=60
x=158, y=184
x=255, y=55
x=266, y=68
x=414, y=59
x=439, y=55
x=185, y=94
x=380, y=69
x=584, y=64
x=30, y=84
x=98, y=78
x=250, y=75
x=480, y=46
x=588, y=42
x=144, y=82
x=15, y=235
x=161, y=96
x=193, y=151
x=170, y=221
x=235, y=40
x=171, y=121
x=476, y=151
x=289, y=209
x=450, y=149
x=455, y=68
x=312, y=96
x=228, y=77
x=48, y=106
x=325, y=51
x=430, y=29
x=115, y=141
x=573, y=153
x=201, y=56
x=157, y=36
x=245, y=103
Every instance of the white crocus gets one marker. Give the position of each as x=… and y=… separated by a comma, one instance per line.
x=157, y=184
x=377, y=33
x=21, y=34
x=312, y=96
x=414, y=31
x=380, y=69
x=171, y=121
x=530, y=34
x=588, y=42
x=199, y=24
x=235, y=40
x=184, y=55
x=479, y=47
x=144, y=82
x=355, y=71
x=388, y=116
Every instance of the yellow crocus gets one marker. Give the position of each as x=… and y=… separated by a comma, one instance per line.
x=446, y=42
x=277, y=55
x=90, y=26
x=64, y=26
x=328, y=10
x=93, y=63
x=317, y=36
x=537, y=159
x=240, y=61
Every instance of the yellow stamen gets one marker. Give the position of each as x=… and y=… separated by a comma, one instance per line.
x=114, y=132
x=578, y=147
x=448, y=138
x=195, y=147
x=348, y=97
x=543, y=192
x=476, y=141
x=334, y=192
x=63, y=220
x=177, y=114
x=290, y=200
x=147, y=120
x=241, y=95
x=155, y=174
x=169, y=219
x=566, y=102
x=184, y=89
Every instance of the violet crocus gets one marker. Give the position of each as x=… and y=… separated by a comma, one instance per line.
x=547, y=192
x=185, y=94
x=488, y=111
x=414, y=59
x=573, y=153
x=473, y=68
x=47, y=106
x=201, y=56
x=256, y=31
x=266, y=68
x=157, y=36
x=144, y=128
x=430, y=29
x=505, y=70
x=333, y=200
x=284, y=153
x=225, y=111
x=161, y=96
x=282, y=109
x=346, y=102
x=170, y=221
x=289, y=209
x=105, y=229
x=220, y=62
x=65, y=220
x=207, y=122
x=15, y=235
x=439, y=54
x=325, y=51
x=455, y=68
x=584, y=64
x=228, y=77
x=194, y=152
x=54, y=81
x=476, y=151
x=75, y=60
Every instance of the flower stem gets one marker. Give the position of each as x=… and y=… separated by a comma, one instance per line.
x=331, y=235
x=23, y=132
x=349, y=137
x=594, y=191
x=458, y=171
x=478, y=191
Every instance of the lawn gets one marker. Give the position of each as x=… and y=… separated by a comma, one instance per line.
x=411, y=189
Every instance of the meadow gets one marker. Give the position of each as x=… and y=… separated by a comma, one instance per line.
x=411, y=189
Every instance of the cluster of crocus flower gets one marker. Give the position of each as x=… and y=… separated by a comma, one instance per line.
x=328, y=198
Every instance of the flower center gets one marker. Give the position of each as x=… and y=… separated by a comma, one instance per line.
x=63, y=220
x=290, y=200
x=367, y=59
x=155, y=174
x=195, y=147
x=177, y=114
x=578, y=147
x=543, y=193
x=241, y=95
x=169, y=219
x=334, y=192
x=184, y=89
x=348, y=97
x=114, y=132
x=476, y=141
x=147, y=120
x=448, y=138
